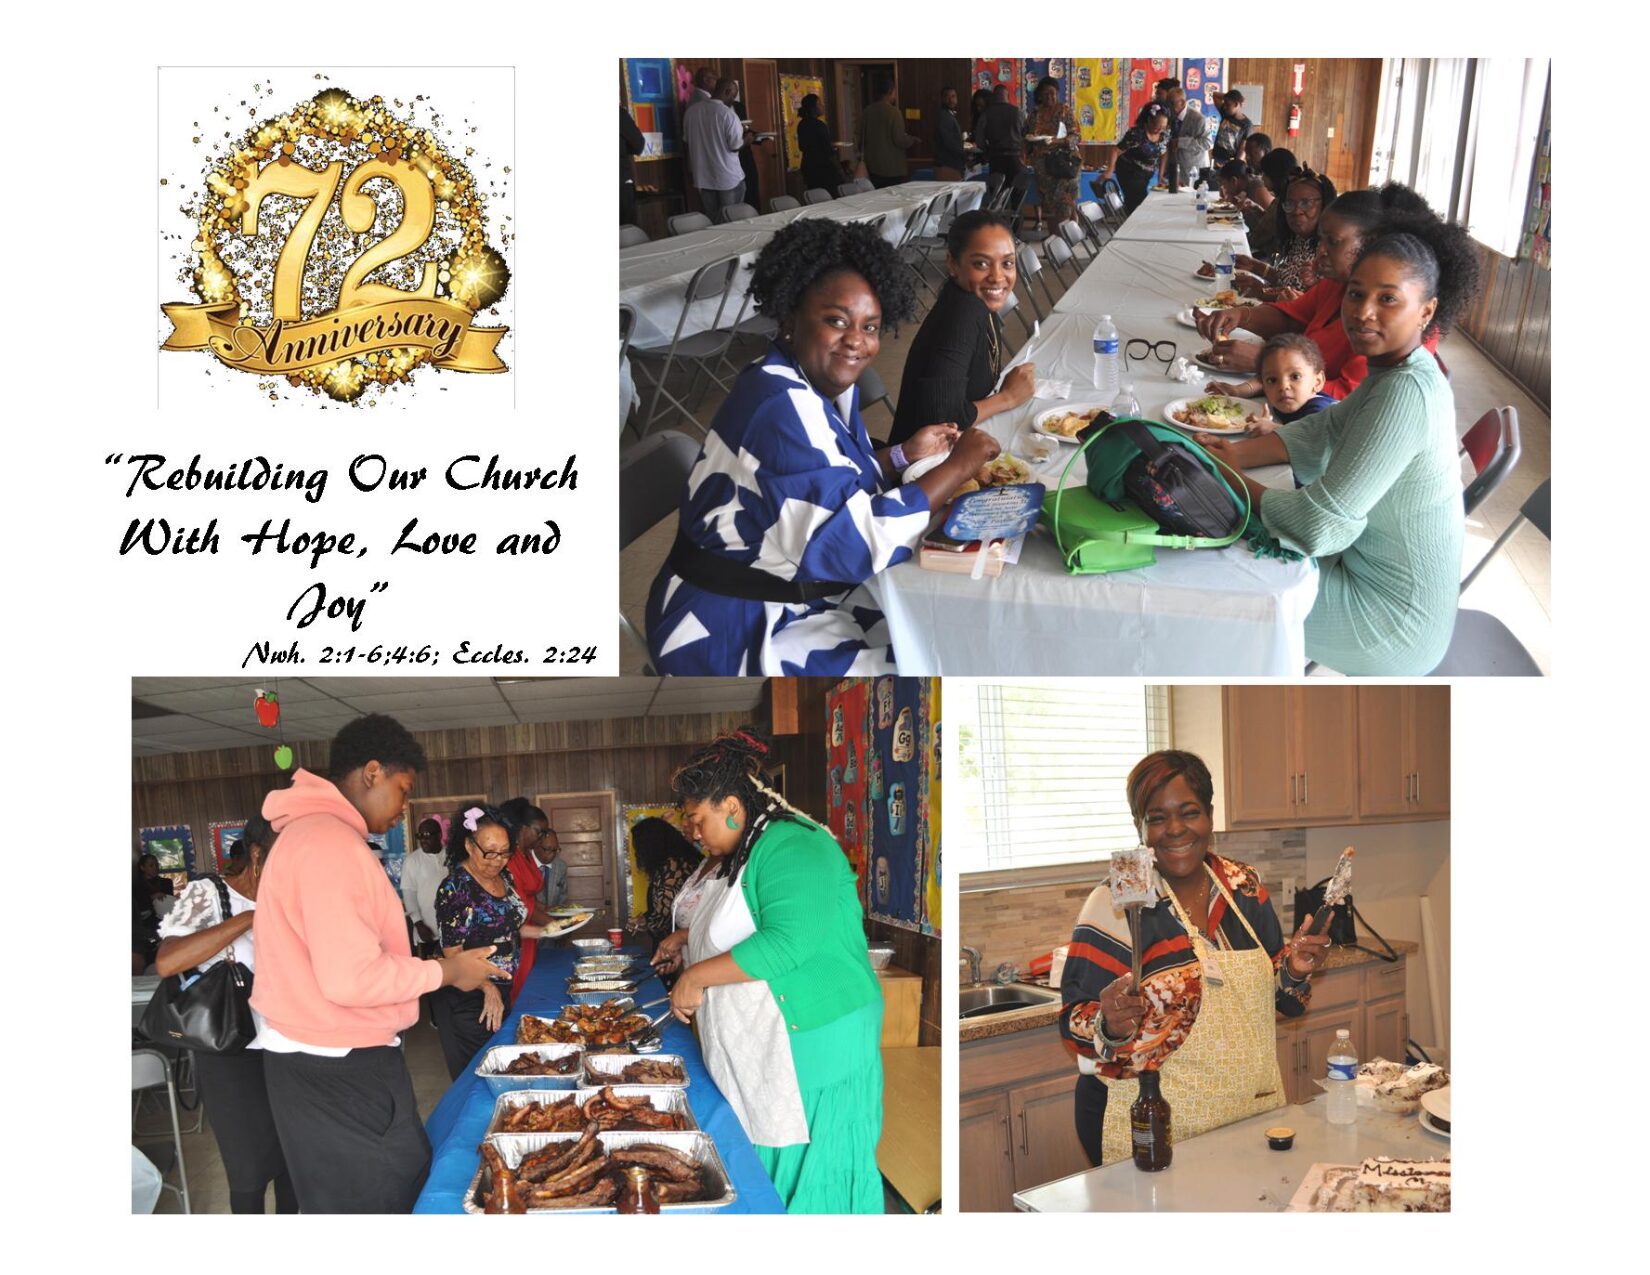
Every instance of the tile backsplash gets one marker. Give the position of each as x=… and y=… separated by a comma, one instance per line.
x=1014, y=925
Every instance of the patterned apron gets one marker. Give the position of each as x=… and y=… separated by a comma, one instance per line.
x=1227, y=1069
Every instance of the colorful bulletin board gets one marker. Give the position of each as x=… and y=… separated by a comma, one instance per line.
x=990, y=72
x=792, y=89
x=650, y=96
x=1094, y=95
x=1037, y=68
x=173, y=845
x=932, y=913
x=224, y=833
x=847, y=741
x=1202, y=78
x=899, y=779
x=1142, y=74
x=1538, y=228
x=391, y=849
x=634, y=888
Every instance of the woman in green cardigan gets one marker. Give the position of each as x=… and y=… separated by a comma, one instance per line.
x=777, y=974
x=1380, y=505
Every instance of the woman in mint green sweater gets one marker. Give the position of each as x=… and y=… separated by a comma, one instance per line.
x=1380, y=474
x=789, y=1009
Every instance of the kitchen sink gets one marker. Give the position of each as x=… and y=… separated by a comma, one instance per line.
x=991, y=998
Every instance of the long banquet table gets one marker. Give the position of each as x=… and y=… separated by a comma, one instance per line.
x=1211, y=612
x=460, y=1119
x=1172, y=218
x=653, y=276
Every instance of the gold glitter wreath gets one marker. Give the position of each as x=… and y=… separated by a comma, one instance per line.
x=469, y=273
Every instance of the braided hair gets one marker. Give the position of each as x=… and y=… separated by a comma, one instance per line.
x=731, y=765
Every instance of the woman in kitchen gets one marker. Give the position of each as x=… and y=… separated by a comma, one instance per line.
x=1218, y=973
x=777, y=975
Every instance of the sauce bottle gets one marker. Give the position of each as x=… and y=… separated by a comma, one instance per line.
x=636, y=1193
x=1149, y=1126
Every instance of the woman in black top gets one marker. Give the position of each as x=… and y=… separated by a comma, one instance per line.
x=956, y=357
x=669, y=859
x=820, y=167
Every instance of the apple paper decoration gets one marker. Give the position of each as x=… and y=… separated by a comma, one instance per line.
x=268, y=710
x=283, y=757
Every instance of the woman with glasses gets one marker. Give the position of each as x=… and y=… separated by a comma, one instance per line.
x=1293, y=267
x=477, y=906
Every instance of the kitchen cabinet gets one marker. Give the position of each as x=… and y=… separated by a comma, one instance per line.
x=1043, y=1124
x=901, y=1007
x=1365, y=1000
x=987, y=1154
x=1291, y=755
x=1403, y=752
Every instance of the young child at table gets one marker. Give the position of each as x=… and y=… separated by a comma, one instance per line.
x=1291, y=377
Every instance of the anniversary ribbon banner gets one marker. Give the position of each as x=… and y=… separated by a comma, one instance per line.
x=441, y=327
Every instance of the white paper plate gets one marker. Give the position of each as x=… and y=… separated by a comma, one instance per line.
x=552, y=933
x=1435, y=1105
x=1186, y=318
x=1206, y=302
x=1180, y=404
x=1037, y=425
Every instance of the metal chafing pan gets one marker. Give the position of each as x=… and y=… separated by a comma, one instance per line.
x=493, y=1062
x=660, y=1098
x=604, y=1069
x=698, y=1145
x=600, y=990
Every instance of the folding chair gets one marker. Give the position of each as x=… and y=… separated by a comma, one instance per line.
x=630, y=236
x=737, y=212
x=817, y=195
x=993, y=190
x=1492, y=445
x=1060, y=258
x=783, y=203
x=872, y=391
x=686, y=223
x=150, y=1070
x=1481, y=645
x=1018, y=189
x=652, y=476
x=1072, y=232
x=846, y=189
x=627, y=325
x=863, y=185
x=1111, y=191
x=909, y=253
x=1011, y=305
x=703, y=349
x=1031, y=267
x=1093, y=217
x=939, y=215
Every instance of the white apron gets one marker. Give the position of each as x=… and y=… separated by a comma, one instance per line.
x=741, y=1032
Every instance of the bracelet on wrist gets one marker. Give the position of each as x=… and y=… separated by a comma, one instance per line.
x=896, y=456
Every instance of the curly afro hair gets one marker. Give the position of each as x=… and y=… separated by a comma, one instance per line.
x=375, y=737
x=804, y=252
x=1438, y=255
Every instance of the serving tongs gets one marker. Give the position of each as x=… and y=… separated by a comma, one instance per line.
x=647, y=1040
x=1335, y=893
x=1133, y=886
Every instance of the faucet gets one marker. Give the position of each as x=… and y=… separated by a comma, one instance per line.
x=973, y=965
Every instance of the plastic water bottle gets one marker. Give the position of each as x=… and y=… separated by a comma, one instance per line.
x=1106, y=347
x=1343, y=1071
x=1125, y=404
x=1202, y=203
x=1224, y=265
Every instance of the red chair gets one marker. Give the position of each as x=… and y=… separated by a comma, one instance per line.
x=1493, y=447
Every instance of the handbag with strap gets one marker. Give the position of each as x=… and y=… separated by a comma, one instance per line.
x=1063, y=163
x=1342, y=930
x=212, y=1014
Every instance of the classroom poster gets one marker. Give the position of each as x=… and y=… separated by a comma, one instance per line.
x=390, y=849
x=1202, y=78
x=792, y=89
x=1036, y=68
x=224, y=833
x=847, y=742
x=650, y=96
x=1094, y=96
x=930, y=804
x=990, y=72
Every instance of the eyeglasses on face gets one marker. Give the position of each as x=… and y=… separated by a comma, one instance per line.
x=489, y=854
x=1297, y=205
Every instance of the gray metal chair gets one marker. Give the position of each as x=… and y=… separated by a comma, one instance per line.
x=1073, y=233
x=652, y=476
x=783, y=203
x=630, y=236
x=872, y=391
x=912, y=255
x=1493, y=447
x=817, y=195
x=1031, y=268
x=737, y=212
x=1093, y=217
x=687, y=223
x=1061, y=259
x=847, y=188
x=150, y=1070
x=1482, y=646
x=994, y=184
x=703, y=350
x=627, y=326
x=931, y=232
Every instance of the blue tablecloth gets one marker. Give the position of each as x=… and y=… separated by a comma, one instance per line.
x=460, y=1119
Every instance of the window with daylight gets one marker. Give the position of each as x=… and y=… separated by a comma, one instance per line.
x=1040, y=770
x=1508, y=97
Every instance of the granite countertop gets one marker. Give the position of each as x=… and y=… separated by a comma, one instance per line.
x=1020, y=1020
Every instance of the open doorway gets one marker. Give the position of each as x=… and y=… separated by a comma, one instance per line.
x=854, y=92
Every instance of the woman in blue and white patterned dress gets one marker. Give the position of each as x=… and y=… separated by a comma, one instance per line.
x=789, y=509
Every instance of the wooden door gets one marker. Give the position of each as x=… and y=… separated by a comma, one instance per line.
x=584, y=824
x=1260, y=776
x=1326, y=746
x=761, y=89
x=1044, y=1118
x=1289, y=1059
x=1429, y=739
x=1383, y=776
x=986, y=1182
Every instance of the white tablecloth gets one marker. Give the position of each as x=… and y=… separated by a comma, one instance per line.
x=1206, y=612
x=653, y=277
x=1166, y=218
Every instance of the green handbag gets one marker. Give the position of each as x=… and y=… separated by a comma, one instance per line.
x=1099, y=528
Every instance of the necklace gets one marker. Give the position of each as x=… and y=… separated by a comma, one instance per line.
x=996, y=346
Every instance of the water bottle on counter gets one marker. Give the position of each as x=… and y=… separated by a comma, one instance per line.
x=1225, y=263
x=1343, y=1073
x=1105, y=356
x=1125, y=405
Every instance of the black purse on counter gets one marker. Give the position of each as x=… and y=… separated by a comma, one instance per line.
x=213, y=1014
x=1342, y=930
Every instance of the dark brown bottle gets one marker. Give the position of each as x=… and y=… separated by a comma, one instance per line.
x=1149, y=1126
x=636, y=1193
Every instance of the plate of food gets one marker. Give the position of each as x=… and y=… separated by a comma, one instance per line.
x=1435, y=1111
x=1005, y=471
x=560, y=926
x=1064, y=422
x=1212, y=414
x=1225, y=299
x=1205, y=359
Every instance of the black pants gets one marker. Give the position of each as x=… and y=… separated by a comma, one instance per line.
x=1091, y=1115
x=1135, y=182
x=232, y=1087
x=458, y=1023
x=1006, y=163
x=627, y=203
x=349, y=1129
x=880, y=182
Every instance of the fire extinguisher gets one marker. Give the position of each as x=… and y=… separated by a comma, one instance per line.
x=1294, y=118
